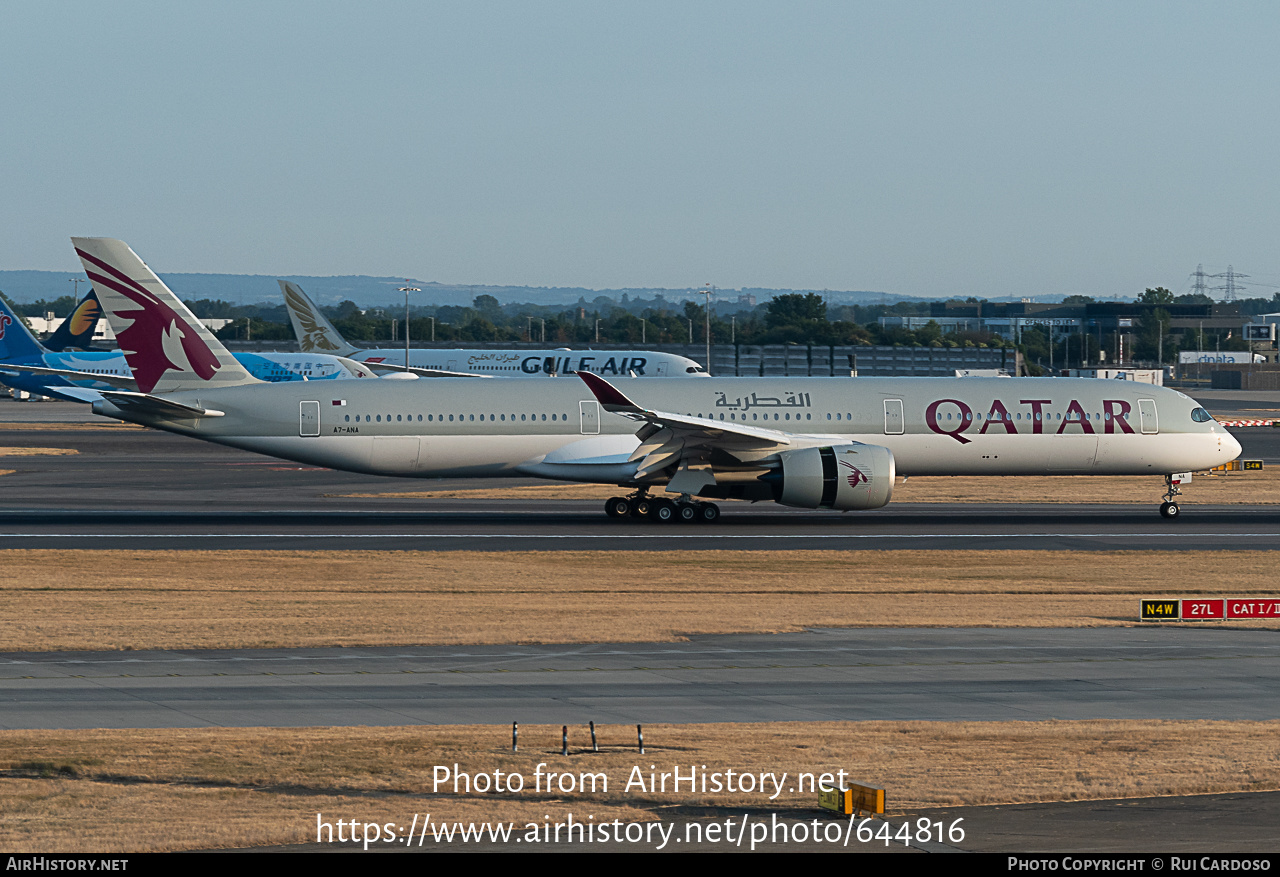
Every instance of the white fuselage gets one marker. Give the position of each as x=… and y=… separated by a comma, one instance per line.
x=557, y=429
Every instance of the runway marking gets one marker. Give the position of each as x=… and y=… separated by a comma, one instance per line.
x=655, y=652
x=850, y=662
x=665, y=537
x=1144, y=653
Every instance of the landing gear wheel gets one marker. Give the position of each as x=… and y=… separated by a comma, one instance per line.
x=1169, y=508
x=687, y=512
x=708, y=512
x=662, y=510
x=642, y=508
x=617, y=507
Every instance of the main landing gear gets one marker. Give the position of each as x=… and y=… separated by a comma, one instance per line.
x=1169, y=509
x=684, y=510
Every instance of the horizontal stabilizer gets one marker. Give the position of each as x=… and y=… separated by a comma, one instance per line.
x=71, y=394
x=124, y=382
x=157, y=405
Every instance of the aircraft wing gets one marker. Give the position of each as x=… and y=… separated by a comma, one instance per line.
x=356, y=368
x=421, y=372
x=685, y=445
x=67, y=394
x=123, y=382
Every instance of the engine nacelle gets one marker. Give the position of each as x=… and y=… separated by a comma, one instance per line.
x=836, y=477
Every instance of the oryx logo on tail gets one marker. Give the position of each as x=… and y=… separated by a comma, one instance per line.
x=159, y=340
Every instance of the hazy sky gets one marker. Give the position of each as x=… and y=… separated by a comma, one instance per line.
x=919, y=148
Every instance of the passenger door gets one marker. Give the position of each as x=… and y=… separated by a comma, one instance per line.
x=1147, y=414
x=894, y=422
x=308, y=418
x=589, y=416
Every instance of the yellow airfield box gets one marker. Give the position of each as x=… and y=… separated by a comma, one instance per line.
x=857, y=798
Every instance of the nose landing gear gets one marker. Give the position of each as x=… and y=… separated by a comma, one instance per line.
x=1169, y=509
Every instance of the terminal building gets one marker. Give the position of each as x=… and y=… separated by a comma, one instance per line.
x=1010, y=319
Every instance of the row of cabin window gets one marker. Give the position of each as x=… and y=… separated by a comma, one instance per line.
x=431, y=418
x=370, y=418
x=848, y=416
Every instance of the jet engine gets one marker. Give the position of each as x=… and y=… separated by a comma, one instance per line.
x=838, y=477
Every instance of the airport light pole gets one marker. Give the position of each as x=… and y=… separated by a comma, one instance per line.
x=406, y=290
x=706, y=318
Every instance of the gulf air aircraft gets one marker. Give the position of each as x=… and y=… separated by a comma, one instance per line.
x=818, y=443
x=26, y=364
x=316, y=333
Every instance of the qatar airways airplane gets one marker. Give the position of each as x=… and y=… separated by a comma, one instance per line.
x=820, y=443
x=316, y=334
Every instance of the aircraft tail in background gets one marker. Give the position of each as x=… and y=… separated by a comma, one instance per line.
x=16, y=340
x=77, y=329
x=315, y=333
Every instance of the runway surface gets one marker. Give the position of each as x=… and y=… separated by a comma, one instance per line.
x=478, y=525
x=821, y=675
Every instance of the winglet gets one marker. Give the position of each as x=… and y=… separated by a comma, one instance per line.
x=609, y=396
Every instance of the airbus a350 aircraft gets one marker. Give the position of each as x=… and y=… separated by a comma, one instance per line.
x=821, y=443
x=316, y=333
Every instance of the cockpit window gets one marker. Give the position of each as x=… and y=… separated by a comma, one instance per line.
x=1199, y=415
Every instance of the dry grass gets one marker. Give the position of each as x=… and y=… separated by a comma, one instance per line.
x=68, y=791
x=36, y=452
x=88, y=424
x=259, y=599
x=1251, y=488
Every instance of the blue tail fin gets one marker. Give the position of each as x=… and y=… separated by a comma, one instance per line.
x=77, y=329
x=16, y=340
